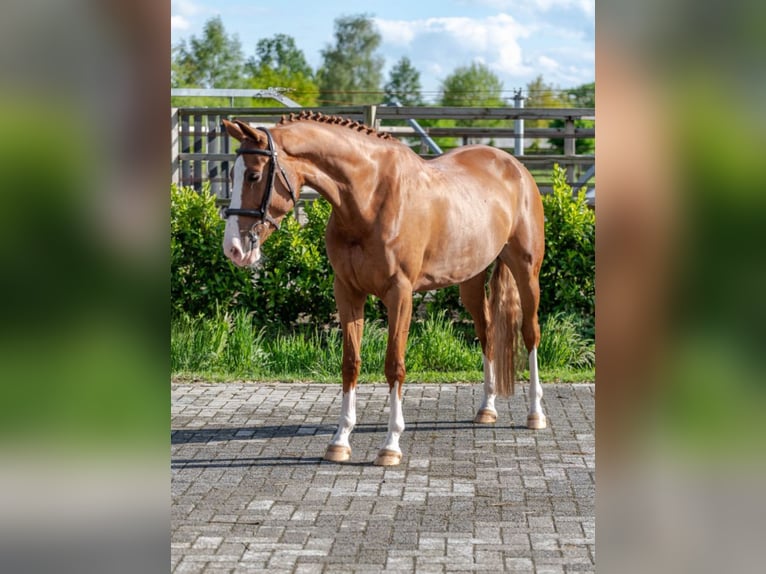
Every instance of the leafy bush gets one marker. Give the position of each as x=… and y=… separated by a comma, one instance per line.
x=295, y=279
x=293, y=282
x=202, y=278
x=567, y=277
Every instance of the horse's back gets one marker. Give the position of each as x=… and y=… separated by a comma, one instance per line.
x=484, y=165
x=479, y=173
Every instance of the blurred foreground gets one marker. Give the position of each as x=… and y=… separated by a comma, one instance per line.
x=84, y=396
x=681, y=274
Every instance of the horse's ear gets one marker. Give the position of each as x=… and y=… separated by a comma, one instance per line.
x=234, y=130
x=241, y=131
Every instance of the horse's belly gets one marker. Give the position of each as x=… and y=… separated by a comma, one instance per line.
x=464, y=240
x=455, y=265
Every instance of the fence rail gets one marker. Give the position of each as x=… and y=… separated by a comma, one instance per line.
x=201, y=149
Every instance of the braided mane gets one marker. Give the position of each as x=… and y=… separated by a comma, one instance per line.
x=336, y=120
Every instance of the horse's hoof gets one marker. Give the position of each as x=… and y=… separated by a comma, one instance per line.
x=388, y=458
x=337, y=453
x=485, y=417
x=537, y=421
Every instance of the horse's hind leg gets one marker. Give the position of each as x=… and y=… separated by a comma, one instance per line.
x=351, y=313
x=525, y=258
x=474, y=298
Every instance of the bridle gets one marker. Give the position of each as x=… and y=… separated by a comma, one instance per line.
x=263, y=212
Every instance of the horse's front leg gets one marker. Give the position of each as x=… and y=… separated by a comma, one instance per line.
x=398, y=301
x=351, y=313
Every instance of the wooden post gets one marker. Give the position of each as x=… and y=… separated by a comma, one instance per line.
x=225, y=148
x=569, y=145
x=213, y=144
x=370, y=115
x=197, y=149
x=185, y=148
x=175, y=165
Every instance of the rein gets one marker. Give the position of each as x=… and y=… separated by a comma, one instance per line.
x=262, y=213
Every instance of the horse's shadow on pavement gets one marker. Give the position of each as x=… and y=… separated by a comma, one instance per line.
x=226, y=434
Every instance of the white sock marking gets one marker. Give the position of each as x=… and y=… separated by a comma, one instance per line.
x=535, y=389
x=489, y=386
x=395, y=421
x=347, y=419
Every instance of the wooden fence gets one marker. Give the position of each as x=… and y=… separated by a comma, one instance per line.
x=201, y=148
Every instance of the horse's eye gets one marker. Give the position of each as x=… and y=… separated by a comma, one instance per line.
x=254, y=176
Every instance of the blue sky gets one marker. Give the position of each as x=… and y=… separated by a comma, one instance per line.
x=517, y=39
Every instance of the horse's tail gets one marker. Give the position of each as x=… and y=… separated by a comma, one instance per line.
x=502, y=335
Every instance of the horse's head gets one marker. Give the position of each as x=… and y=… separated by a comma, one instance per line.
x=261, y=194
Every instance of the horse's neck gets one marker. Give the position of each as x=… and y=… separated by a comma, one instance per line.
x=342, y=169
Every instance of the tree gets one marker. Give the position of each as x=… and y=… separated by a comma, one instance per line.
x=542, y=95
x=404, y=84
x=474, y=85
x=213, y=61
x=280, y=64
x=280, y=53
x=351, y=72
x=583, y=96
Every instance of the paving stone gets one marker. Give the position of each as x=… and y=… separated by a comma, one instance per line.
x=250, y=491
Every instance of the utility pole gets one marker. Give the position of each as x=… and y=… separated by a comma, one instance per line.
x=518, y=124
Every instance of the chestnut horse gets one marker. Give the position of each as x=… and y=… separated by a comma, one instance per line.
x=401, y=224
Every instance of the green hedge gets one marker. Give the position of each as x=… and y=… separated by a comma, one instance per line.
x=293, y=284
x=568, y=274
x=202, y=278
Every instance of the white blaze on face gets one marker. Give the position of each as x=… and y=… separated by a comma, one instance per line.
x=232, y=241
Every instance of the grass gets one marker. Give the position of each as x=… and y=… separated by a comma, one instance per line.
x=228, y=347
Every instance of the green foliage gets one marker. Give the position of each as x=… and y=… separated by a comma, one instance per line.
x=229, y=344
x=223, y=342
x=281, y=54
x=213, y=61
x=404, y=84
x=582, y=96
x=292, y=284
x=474, y=85
x=295, y=281
x=279, y=63
x=562, y=343
x=351, y=71
x=567, y=277
x=202, y=278
x=435, y=345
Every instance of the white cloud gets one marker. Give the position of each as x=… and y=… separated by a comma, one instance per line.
x=396, y=32
x=493, y=40
x=547, y=63
x=179, y=23
x=587, y=7
x=185, y=7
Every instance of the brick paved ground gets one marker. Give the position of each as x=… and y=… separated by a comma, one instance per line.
x=251, y=493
